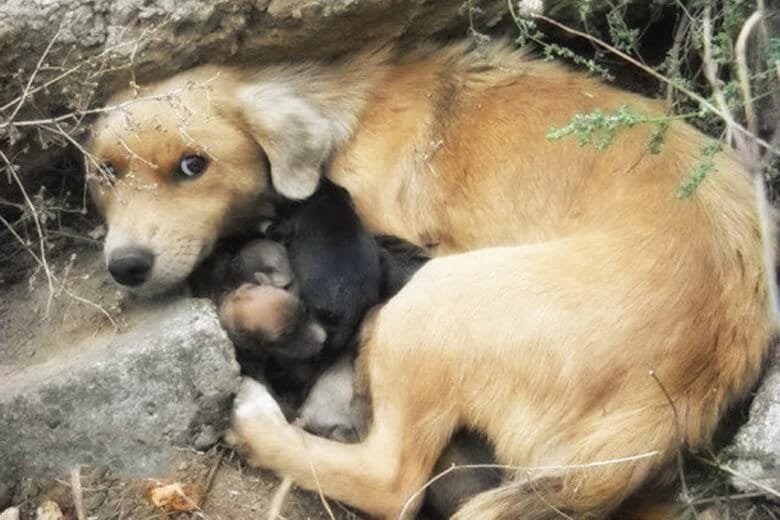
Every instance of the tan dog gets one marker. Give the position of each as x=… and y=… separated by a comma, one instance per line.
x=608, y=298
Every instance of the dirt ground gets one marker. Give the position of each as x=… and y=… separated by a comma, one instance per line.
x=215, y=486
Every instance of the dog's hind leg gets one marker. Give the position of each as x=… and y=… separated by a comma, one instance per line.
x=379, y=475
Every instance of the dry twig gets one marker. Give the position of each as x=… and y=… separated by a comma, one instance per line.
x=77, y=492
x=734, y=473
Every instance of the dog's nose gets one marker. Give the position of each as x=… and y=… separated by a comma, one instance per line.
x=130, y=265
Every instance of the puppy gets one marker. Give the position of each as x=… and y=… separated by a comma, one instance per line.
x=268, y=318
x=328, y=410
x=263, y=319
x=264, y=262
x=399, y=260
x=571, y=295
x=336, y=262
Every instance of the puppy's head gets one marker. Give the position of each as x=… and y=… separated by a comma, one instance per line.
x=176, y=165
x=272, y=319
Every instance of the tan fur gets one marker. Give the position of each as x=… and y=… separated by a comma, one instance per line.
x=580, y=271
x=262, y=311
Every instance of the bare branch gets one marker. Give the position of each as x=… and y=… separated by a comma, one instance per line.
x=27, y=92
x=38, y=227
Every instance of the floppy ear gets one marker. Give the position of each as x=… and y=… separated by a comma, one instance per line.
x=296, y=135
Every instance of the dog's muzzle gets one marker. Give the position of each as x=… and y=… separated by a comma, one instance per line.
x=131, y=265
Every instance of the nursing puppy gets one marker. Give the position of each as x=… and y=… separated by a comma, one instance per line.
x=572, y=298
x=336, y=263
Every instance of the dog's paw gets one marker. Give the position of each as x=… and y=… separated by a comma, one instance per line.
x=256, y=404
x=257, y=425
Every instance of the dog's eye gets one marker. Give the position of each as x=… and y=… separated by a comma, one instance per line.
x=192, y=166
x=107, y=173
x=109, y=169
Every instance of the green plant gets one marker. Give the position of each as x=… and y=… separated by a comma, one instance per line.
x=722, y=64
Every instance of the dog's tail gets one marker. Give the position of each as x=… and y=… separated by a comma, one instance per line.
x=582, y=493
x=537, y=499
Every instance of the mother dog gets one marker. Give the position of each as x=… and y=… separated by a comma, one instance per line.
x=589, y=315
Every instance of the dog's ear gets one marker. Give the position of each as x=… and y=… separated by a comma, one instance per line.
x=293, y=131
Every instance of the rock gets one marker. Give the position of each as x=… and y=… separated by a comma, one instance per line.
x=125, y=400
x=755, y=451
x=148, y=40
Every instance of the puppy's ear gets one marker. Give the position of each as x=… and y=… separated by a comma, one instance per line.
x=294, y=132
x=262, y=279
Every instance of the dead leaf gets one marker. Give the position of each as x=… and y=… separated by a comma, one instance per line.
x=175, y=496
x=48, y=510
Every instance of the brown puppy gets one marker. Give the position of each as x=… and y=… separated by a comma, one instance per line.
x=265, y=319
x=591, y=296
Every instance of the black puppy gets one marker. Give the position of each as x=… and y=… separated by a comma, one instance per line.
x=335, y=260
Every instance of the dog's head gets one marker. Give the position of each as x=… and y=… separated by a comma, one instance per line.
x=177, y=165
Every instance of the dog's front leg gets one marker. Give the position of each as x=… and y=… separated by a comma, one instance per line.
x=367, y=475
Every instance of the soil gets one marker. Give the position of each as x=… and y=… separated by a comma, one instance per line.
x=216, y=484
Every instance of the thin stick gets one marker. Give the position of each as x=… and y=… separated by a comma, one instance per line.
x=711, y=73
x=38, y=227
x=108, y=108
x=739, y=496
x=134, y=155
x=26, y=92
x=743, y=74
x=79, y=65
x=767, y=225
x=753, y=157
x=679, y=457
x=77, y=492
x=543, y=499
x=210, y=479
x=674, y=52
x=41, y=265
x=275, y=509
x=316, y=478
x=726, y=469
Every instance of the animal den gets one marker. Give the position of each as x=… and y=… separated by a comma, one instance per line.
x=449, y=279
